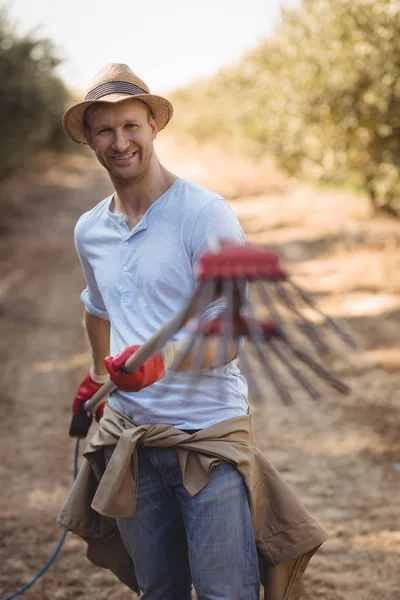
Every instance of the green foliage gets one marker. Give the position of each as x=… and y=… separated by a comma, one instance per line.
x=322, y=95
x=32, y=98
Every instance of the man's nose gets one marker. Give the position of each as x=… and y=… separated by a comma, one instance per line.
x=121, y=141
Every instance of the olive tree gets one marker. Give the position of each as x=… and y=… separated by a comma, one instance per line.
x=32, y=97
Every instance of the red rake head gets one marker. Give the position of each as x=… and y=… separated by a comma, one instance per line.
x=232, y=261
x=236, y=274
x=240, y=327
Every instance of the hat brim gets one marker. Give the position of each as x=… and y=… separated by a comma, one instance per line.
x=73, y=118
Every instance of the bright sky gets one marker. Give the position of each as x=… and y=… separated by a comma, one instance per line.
x=168, y=43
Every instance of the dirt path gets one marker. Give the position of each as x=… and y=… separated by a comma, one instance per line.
x=340, y=455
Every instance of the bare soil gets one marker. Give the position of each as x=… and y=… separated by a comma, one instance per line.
x=341, y=455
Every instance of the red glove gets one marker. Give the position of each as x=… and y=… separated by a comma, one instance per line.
x=86, y=390
x=150, y=372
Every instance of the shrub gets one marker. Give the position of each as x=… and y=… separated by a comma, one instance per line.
x=322, y=95
x=32, y=98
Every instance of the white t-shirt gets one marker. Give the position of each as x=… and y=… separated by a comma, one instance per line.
x=139, y=278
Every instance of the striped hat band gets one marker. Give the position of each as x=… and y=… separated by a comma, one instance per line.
x=115, y=83
x=112, y=87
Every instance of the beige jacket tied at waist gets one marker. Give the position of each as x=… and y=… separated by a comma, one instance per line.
x=286, y=534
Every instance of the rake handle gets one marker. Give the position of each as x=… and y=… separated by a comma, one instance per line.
x=153, y=345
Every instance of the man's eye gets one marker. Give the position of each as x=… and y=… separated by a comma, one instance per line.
x=105, y=130
x=132, y=125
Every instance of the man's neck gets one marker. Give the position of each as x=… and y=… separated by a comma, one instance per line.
x=134, y=198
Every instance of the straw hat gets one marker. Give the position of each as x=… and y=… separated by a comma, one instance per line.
x=115, y=82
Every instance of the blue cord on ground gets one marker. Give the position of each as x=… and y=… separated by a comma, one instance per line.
x=56, y=551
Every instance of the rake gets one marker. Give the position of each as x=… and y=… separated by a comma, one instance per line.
x=245, y=278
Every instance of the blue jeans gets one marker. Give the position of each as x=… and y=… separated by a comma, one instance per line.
x=175, y=539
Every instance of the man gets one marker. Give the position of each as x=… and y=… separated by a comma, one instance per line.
x=138, y=249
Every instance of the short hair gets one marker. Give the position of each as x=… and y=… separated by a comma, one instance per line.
x=85, y=120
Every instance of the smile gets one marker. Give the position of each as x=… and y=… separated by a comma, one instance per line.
x=125, y=156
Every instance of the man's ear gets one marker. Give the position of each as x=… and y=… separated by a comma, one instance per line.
x=86, y=133
x=153, y=126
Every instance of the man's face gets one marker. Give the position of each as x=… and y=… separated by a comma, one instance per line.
x=122, y=135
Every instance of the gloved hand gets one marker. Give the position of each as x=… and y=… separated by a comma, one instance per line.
x=87, y=390
x=150, y=372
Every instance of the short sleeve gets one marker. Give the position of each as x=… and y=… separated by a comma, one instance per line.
x=91, y=296
x=216, y=219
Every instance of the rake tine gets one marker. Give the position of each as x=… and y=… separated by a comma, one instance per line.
x=227, y=316
x=307, y=298
x=268, y=301
x=250, y=378
x=297, y=375
x=240, y=292
x=200, y=339
x=308, y=327
x=320, y=370
x=224, y=338
x=237, y=304
x=194, y=375
x=211, y=288
x=258, y=340
x=314, y=366
x=198, y=352
x=204, y=300
x=227, y=329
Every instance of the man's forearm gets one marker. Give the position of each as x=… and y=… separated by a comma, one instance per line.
x=98, y=333
x=212, y=349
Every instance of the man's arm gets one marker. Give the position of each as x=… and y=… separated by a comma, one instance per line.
x=98, y=333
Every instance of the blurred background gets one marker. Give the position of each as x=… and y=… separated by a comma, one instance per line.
x=291, y=110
